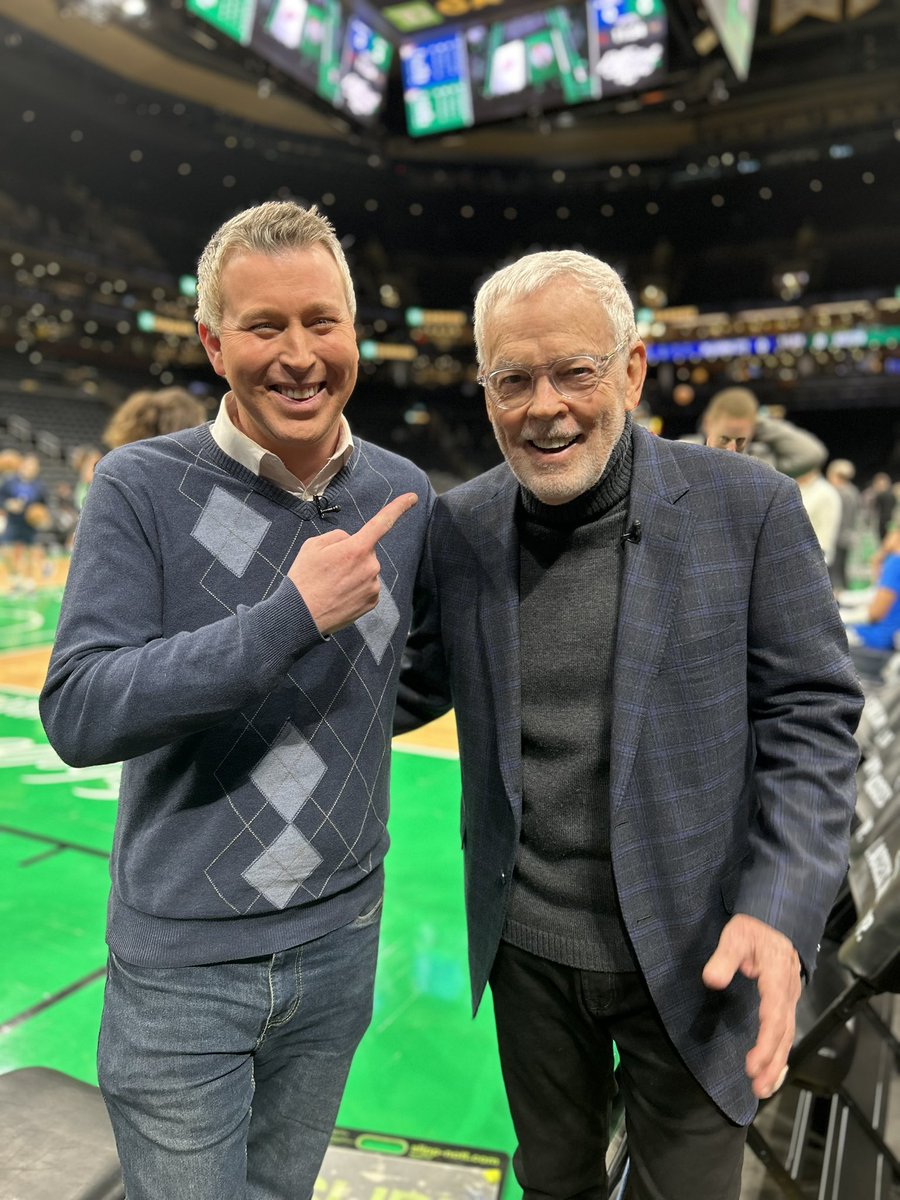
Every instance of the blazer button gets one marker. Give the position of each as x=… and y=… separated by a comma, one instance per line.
x=503, y=877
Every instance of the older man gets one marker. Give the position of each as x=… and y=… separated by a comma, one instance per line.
x=232, y=628
x=655, y=709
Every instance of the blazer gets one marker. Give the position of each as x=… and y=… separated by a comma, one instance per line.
x=733, y=760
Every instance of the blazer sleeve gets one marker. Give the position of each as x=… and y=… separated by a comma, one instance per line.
x=424, y=687
x=804, y=702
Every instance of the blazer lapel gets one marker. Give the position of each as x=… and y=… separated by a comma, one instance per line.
x=496, y=547
x=649, y=588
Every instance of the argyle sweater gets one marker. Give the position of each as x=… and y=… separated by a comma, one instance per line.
x=254, y=795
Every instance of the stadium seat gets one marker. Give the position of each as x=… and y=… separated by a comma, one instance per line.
x=865, y=965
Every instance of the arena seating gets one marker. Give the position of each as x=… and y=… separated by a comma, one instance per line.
x=844, y=1051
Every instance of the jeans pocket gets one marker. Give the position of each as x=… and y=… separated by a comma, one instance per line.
x=370, y=916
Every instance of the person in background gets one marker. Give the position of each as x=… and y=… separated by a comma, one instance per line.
x=822, y=502
x=84, y=461
x=234, y=635
x=880, y=500
x=733, y=421
x=150, y=413
x=877, y=625
x=730, y=420
x=840, y=475
x=144, y=414
x=10, y=461
x=64, y=515
x=23, y=499
x=655, y=707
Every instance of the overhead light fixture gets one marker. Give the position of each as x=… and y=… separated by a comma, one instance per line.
x=102, y=11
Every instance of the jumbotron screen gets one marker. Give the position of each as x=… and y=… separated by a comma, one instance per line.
x=536, y=61
x=334, y=54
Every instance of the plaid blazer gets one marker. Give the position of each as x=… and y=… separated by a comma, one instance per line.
x=734, y=706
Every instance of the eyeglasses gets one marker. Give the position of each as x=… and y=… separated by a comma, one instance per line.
x=574, y=378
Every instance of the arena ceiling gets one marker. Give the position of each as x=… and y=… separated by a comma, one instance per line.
x=816, y=77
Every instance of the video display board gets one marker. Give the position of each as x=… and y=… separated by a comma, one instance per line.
x=456, y=78
x=334, y=54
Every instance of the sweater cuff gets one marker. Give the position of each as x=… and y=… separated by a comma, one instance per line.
x=286, y=627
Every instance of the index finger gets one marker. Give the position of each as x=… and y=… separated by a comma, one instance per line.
x=383, y=522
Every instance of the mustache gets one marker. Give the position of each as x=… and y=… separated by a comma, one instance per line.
x=540, y=429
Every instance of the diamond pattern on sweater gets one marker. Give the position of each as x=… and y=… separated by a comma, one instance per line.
x=377, y=626
x=230, y=530
x=280, y=869
x=288, y=773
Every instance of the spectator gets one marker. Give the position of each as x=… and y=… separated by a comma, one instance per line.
x=822, y=502
x=733, y=420
x=64, y=514
x=84, y=459
x=147, y=414
x=10, y=461
x=880, y=500
x=873, y=628
x=24, y=501
x=840, y=475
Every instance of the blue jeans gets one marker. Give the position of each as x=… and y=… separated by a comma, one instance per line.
x=223, y=1082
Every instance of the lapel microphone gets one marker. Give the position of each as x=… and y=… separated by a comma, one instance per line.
x=632, y=533
x=323, y=507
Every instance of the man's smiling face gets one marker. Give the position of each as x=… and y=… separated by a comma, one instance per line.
x=287, y=347
x=556, y=447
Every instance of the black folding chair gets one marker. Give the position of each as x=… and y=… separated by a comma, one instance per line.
x=865, y=965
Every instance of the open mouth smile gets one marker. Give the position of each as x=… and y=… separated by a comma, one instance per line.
x=551, y=446
x=297, y=393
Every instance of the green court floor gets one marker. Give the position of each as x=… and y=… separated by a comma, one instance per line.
x=425, y=1068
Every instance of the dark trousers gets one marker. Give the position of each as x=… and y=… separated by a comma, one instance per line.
x=555, y=1027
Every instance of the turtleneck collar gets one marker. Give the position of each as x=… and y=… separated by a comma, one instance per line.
x=610, y=488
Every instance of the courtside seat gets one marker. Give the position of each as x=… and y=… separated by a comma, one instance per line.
x=56, y=1141
x=871, y=952
x=865, y=965
x=880, y=718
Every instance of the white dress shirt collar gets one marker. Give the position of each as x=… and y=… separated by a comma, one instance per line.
x=269, y=466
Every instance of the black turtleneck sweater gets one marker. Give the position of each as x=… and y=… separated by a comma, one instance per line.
x=563, y=904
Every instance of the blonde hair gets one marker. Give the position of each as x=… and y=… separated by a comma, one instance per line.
x=272, y=228
x=733, y=402
x=149, y=413
x=842, y=467
x=535, y=271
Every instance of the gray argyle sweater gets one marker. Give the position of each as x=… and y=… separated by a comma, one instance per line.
x=254, y=794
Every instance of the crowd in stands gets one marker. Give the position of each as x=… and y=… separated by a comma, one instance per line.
x=74, y=221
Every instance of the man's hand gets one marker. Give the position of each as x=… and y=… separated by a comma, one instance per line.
x=337, y=573
x=762, y=953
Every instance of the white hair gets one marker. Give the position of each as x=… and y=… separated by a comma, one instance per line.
x=535, y=271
